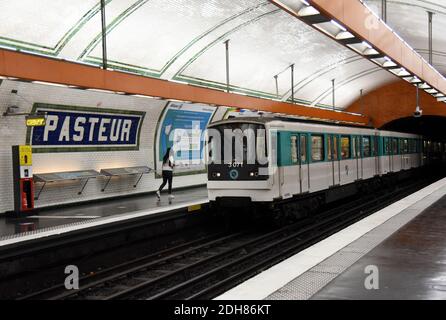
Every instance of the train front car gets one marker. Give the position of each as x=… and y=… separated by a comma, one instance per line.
x=239, y=162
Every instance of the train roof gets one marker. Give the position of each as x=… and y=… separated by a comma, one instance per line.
x=265, y=119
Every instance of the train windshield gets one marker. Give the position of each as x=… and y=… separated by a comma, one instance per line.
x=237, y=144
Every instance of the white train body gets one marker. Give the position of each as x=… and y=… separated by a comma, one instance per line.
x=306, y=158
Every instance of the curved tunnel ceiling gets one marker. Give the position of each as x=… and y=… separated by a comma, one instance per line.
x=409, y=18
x=182, y=40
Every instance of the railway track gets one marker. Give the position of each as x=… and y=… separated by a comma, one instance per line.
x=206, y=267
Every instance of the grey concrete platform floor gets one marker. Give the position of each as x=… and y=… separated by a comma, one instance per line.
x=61, y=216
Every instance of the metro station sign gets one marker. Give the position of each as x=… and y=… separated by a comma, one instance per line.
x=83, y=129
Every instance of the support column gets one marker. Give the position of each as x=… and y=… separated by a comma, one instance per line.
x=431, y=50
x=292, y=83
x=384, y=10
x=227, y=66
x=361, y=104
x=418, y=96
x=276, y=78
x=104, y=36
x=333, y=81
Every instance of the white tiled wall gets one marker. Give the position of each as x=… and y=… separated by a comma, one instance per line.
x=13, y=132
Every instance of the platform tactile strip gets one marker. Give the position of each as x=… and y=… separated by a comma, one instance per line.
x=316, y=278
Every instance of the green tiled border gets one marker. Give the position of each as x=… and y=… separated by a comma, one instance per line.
x=54, y=51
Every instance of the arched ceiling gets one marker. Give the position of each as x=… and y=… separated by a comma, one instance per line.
x=409, y=18
x=182, y=40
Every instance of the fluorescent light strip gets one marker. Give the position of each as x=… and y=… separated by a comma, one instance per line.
x=100, y=90
x=431, y=91
x=308, y=11
x=402, y=72
x=337, y=24
x=141, y=96
x=50, y=84
x=425, y=86
x=368, y=45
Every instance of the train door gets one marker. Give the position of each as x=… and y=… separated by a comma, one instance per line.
x=403, y=152
x=394, y=160
x=304, y=163
x=347, y=160
x=289, y=165
x=391, y=155
x=388, y=152
x=406, y=164
x=333, y=157
x=357, y=155
x=376, y=154
x=296, y=174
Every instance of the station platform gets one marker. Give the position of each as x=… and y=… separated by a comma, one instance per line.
x=402, y=246
x=65, y=219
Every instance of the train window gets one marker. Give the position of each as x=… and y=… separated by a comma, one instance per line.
x=405, y=146
x=303, y=148
x=357, y=147
x=366, y=147
x=317, y=148
x=345, y=147
x=375, y=146
x=329, y=148
x=336, y=147
x=294, y=155
x=240, y=142
x=261, y=150
x=395, y=146
x=333, y=147
x=387, y=146
x=372, y=146
x=212, y=144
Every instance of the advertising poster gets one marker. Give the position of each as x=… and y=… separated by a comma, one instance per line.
x=181, y=128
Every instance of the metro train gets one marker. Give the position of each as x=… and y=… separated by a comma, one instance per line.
x=301, y=160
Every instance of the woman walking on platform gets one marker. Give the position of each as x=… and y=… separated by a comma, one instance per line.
x=167, y=174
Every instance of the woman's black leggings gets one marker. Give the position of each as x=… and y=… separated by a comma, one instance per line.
x=167, y=178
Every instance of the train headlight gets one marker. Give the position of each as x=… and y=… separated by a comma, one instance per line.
x=216, y=174
x=252, y=174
